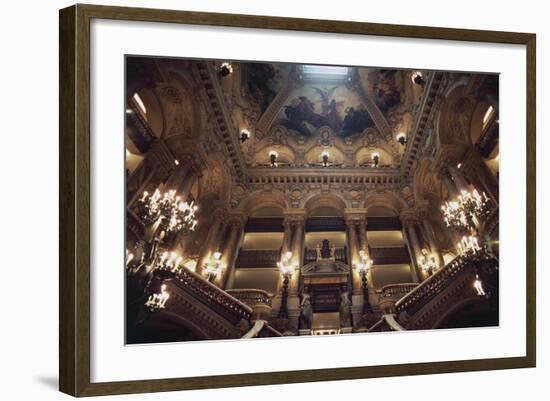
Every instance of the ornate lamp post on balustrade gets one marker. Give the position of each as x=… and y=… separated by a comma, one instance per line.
x=427, y=262
x=287, y=268
x=362, y=267
x=213, y=267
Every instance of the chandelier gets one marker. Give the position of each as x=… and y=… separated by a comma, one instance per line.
x=173, y=215
x=466, y=210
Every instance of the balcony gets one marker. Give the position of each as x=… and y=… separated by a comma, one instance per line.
x=340, y=255
x=390, y=256
x=258, y=258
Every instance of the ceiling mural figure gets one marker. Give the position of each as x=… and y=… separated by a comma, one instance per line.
x=335, y=106
x=387, y=90
x=263, y=82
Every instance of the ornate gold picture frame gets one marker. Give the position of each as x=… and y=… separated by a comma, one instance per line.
x=77, y=207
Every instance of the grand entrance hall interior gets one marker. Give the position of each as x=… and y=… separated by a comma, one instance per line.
x=273, y=199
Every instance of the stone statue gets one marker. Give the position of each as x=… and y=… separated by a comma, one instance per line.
x=345, y=310
x=306, y=313
x=332, y=253
x=318, y=252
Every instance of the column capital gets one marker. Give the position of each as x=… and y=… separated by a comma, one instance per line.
x=237, y=218
x=421, y=208
x=355, y=215
x=408, y=217
x=448, y=155
x=294, y=216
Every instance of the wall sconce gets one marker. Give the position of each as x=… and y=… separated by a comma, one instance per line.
x=245, y=135
x=287, y=268
x=375, y=159
x=156, y=302
x=213, y=267
x=225, y=69
x=402, y=138
x=325, y=156
x=427, y=262
x=273, y=155
x=417, y=78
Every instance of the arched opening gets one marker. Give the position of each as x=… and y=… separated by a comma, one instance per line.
x=472, y=312
x=256, y=264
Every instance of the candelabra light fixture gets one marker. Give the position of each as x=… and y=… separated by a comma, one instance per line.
x=213, y=267
x=325, y=155
x=417, y=78
x=427, y=262
x=169, y=210
x=273, y=155
x=225, y=69
x=375, y=159
x=157, y=301
x=402, y=138
x=245, y=135
x=465, y=212
x=287, y=268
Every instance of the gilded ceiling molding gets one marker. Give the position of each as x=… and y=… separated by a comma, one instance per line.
x=428, y=105
x=223, y=117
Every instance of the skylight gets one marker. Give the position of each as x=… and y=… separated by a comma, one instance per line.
x=326, y=70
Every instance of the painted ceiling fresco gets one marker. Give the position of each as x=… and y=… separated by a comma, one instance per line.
x=293, y=106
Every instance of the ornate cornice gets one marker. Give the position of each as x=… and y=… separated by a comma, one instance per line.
x=222, y=115
x=425, y=113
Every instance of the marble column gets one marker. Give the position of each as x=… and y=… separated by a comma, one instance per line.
x=231, y=251
x=408, y=219
x=357, y=293
x=458, y=177
x=481, y=174
x=427, y=229
x=177, y=177
x=213, y=240
x=287, y=237
x=363, y=245
x=297, y=252
x=447, y=179
x=353, y=246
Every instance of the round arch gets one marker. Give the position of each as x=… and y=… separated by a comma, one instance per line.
x=263, y=199
x=385, y=199
x=455, y=117
x=328, y=200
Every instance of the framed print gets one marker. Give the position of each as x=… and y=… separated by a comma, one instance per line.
x=312, y=200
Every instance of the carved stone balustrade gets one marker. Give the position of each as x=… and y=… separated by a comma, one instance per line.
x=258, y=300
x=258, y=258
x=425, y=305
x=391, y=293
x=205, y=308
x=340, y=255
